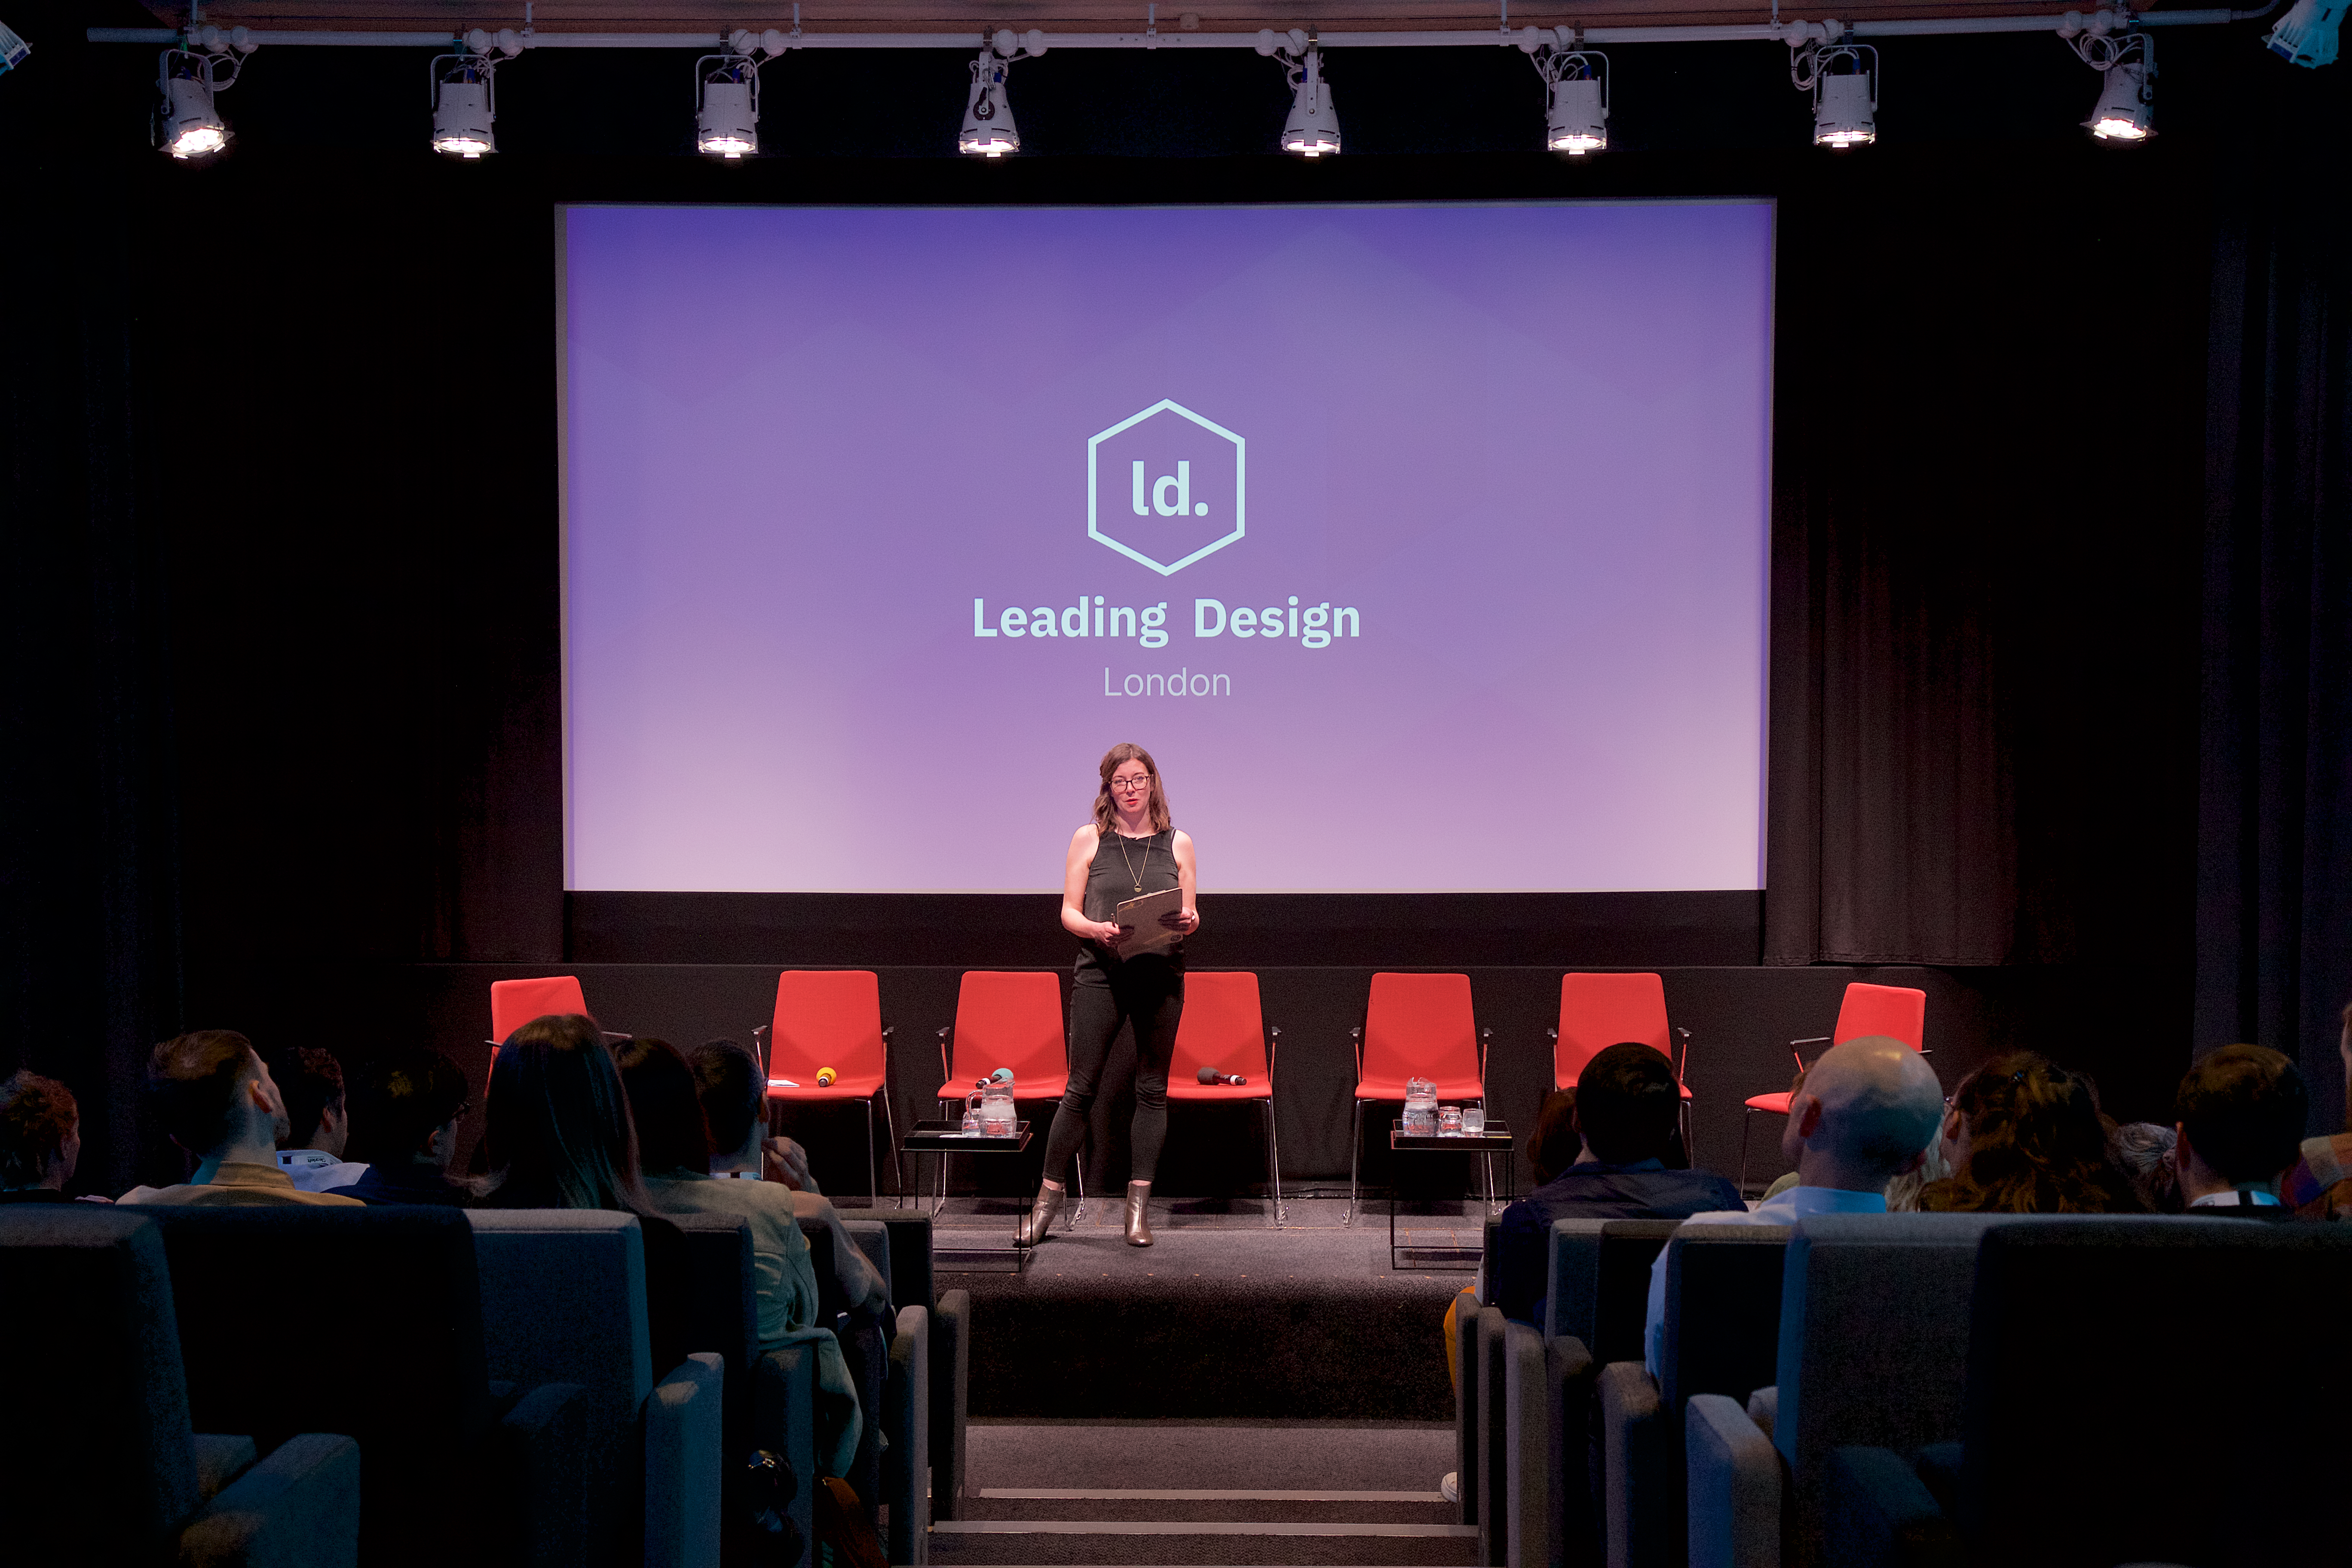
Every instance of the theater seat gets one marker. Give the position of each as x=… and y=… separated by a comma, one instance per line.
x=97, y=1460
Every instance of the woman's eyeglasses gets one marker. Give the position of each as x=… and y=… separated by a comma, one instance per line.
x=1129, y=786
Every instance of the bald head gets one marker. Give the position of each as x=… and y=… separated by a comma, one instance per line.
x=1865, y=1111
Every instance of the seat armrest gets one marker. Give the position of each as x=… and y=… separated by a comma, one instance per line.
x=1734, y=1487
x=1528, y=1513
x=950, y=1400
x=539, y=1465
x=220, y=1460
x=1764, y=1408
x=1875, y=1513
x=1571, y=1526
x=1632, y=1460
x=1465, y=1402
x=783, y=1422
x=683, y=1438
x=907, y=1421
x=300, y=1508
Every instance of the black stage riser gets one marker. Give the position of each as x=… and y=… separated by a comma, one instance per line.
x=1740, y=1020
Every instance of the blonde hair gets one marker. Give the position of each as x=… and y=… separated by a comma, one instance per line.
x=1106, y=813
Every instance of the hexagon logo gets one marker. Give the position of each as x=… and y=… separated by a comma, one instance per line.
x=1166, y=486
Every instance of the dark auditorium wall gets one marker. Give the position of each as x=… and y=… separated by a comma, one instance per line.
x=2058, y=664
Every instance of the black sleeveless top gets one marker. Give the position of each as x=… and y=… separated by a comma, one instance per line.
x=1119, y=864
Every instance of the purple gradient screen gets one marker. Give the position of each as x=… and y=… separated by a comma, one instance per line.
x=1422, y=546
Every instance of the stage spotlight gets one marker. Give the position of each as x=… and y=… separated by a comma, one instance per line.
x=464, y=98
x=188, y=123
x=1576, y=81
x=1313, y=127
x=1843, y=77
x=988, y=129
x=727, y=105
x=2125, y=61
x=2305, y=36
x=12, y=49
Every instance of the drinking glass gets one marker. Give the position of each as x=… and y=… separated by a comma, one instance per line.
x=1474, y=1120
x=1449, y=1120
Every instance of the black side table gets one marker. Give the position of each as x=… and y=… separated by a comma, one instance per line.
x=942, y=1139
x=1495, y=1140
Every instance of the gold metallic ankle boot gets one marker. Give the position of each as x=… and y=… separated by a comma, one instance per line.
x=1138, y=1201
x=1039, y=1219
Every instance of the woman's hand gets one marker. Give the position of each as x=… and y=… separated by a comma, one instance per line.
x=1182, y=920
x=1110, y=933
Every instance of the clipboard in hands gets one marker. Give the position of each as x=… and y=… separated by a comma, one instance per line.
x=1142, y=914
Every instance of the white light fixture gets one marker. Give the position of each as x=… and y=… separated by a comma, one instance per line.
x=12, y=49
x=1576, y=86
x=988, y=129
x=465, y=99
x=1312, y=130
x=188, y=123
x=727, y=105
x=2305, y=36
x=2124, y=58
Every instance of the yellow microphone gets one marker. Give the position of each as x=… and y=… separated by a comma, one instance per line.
x=825, y=1077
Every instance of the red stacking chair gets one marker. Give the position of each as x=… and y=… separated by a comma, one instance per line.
x=1224, y=1031
x=833, y=1018
x=1598, y=1011
x=1900, y=1010
x=1415, y=1026
x=514, y=1003
x=1007, y=1019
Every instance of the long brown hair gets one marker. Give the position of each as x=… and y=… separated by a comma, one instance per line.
x=559, y=1134
x=2036, y=1145
x=1107, y=813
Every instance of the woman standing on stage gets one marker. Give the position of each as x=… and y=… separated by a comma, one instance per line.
x=1130, y=849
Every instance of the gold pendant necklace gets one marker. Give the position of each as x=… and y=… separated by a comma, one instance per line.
x=1133, y=875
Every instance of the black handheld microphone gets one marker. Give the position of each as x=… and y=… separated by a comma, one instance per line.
x=1211, y=1074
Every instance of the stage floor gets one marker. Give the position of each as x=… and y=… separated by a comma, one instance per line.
x=1225, y=1318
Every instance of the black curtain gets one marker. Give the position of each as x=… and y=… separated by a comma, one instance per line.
x=1984, y=560
x=2275, y=871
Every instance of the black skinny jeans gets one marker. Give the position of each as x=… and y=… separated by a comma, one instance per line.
x=1150, y=991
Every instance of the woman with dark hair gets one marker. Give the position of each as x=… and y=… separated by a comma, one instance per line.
x=1129, y=848
x=558, y=1136
x=675, y=1144
x=2023, y=1135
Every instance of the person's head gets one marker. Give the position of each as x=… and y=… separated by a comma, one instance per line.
x=1130, y=779
x=2030, y=1140
x=1628, y=1104
x=2239, y=1116
x=2144, y=1149
x=212, y=1094
x=405, y=1106
x=310, y=1081
x=1557, y=1142
x=672, y=1135
x=1863, y=1115
x=733, y=1093
x=40, y=1132
x=558, y=1133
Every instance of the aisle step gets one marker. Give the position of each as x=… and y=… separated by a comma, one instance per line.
x=1198, y=1527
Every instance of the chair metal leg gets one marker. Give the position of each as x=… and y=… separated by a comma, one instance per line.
x=1355, y=1167
x=1078, y=1175
x=1688, y=1152
x=897, y=1170
x=1274, y=1161
x=1747, y=1119
x=873, y=1162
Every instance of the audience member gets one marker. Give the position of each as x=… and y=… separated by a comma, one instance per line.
x=405, y=1106
x=674, y=1143
x=2239, y=1123
x=1625, y=1110
x=213, y=1097
x=40, y=1139
x=556, y=1135
x=2144, y=1149
x=2320, y=1186
x=1860, y=1117
x=310, y=1153
x=2023, y=1136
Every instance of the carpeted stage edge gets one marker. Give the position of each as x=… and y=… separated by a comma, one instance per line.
x=1224, y=1318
